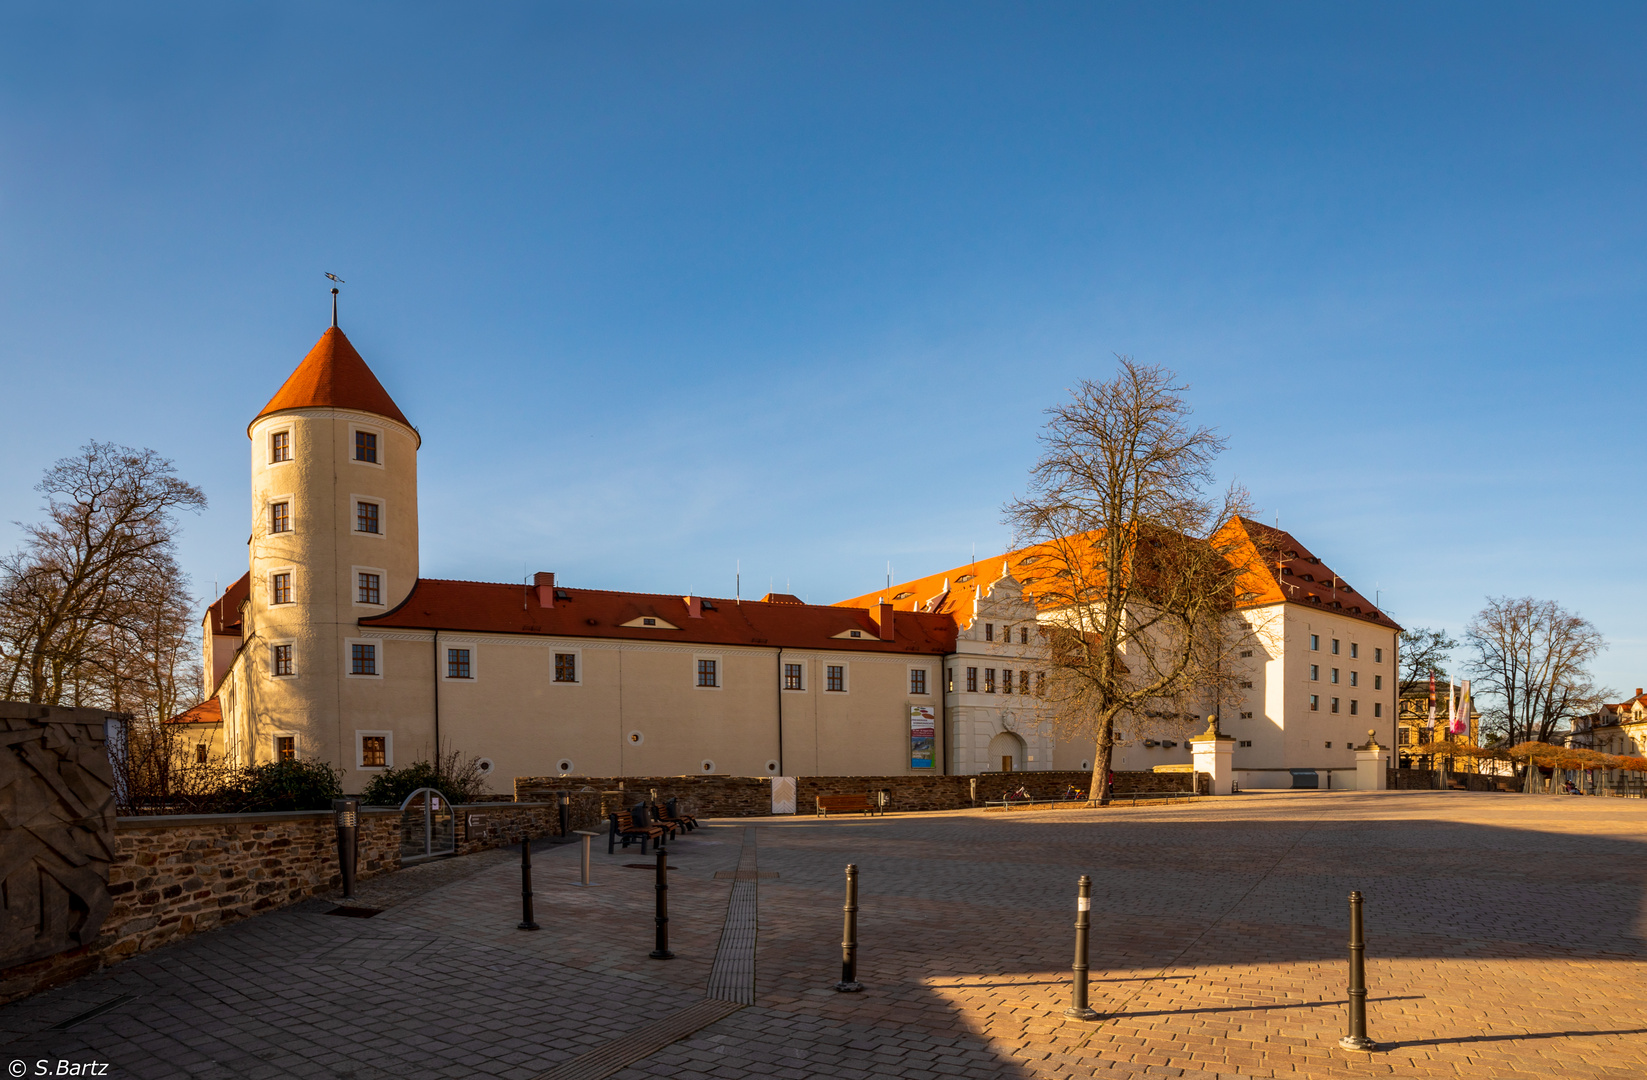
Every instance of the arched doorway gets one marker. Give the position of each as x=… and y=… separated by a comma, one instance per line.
x=428, y=826
x=1007, y=751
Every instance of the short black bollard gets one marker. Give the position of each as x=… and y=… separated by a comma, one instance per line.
x=347, y=813
x=849, y=983
x=526, y=922
x=1078, y=1007
x=565, y=807
x=662, y=951
x=1357, y=1038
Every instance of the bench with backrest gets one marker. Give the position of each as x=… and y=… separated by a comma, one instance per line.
x=673, y=806
x=627, y=829
x=660, y=813
x=847, y=804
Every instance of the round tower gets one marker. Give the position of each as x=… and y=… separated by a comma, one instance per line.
x=334, y=538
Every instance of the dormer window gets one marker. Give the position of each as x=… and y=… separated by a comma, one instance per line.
x=366, y=446
x=857, y=633
x=649, y=622
x=905, y=595
x=965, y=577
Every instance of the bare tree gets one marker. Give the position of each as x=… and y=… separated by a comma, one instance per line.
x=1424, y=651
x=1129, y=563
x=1531, y=660
x=93, y=607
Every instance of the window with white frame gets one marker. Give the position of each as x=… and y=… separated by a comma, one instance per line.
x=280, y=660
x=709, y=672
x=835, y=678
x=280, y=516
x=366, y=445
x=566, y=667
x=459, y=664
x=794, y=676
x=280, y=446
x=368, y=587
x=364, y=659
x=284, y=746
x=280, y=587
x=917, y=680
x=369, y=517
x=374, y=749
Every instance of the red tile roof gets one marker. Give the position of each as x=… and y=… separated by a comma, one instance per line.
x=209, y=711
x=1269, y=554
x=593, y=613
x=333, y=375
x=225, y=610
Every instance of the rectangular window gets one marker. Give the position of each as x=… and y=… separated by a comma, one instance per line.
x=1329, y=746
x=989, y=631
x=1246, y=684
x=951, y=683
x=989, y=680
x=363, y=659
x=1315, y=642
x=1246, y=742
x=1023, y=635
x=282, y=659
x=280, y=446
x=972, y=680
x=566, y=667
x=1378, y=656
x=1334, y=675
x=286, y=747
x=792, y=676
x=1246, y=716
x=280, y=517
x=366, y=517
x=1355, y=650
x=917, y=681
x=1378, y=710
x=366, y=446
x=1023, y=682
x=1355, y=678
x=1335, y=646
x=1246, y=653
x=1040, y=684
x=282, y=589
x=371, y=589
x=374, y=751
x=1378, y=682
x=1315, y=673
x=1354, y=706
x=457, y=664
x=835, y=677
x=200, y=754
x=707, y=675
x=1334, y=704
x=1315, y=703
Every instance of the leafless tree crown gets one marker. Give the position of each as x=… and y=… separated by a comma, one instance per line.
x=1532, y=664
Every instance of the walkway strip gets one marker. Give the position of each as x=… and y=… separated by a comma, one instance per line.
x=621, y=1053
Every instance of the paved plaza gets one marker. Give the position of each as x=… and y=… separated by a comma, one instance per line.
x=1505, y=940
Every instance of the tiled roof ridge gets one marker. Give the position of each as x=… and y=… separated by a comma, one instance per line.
x=626, y=592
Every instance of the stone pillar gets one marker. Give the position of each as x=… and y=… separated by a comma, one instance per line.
x=1370, y=768
x=1215, y=755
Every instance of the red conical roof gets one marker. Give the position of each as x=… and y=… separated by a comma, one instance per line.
x=334, y=376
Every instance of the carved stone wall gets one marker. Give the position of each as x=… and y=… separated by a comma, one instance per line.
x=56, y=829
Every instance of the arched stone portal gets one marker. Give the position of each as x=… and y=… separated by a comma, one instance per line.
x=1007, y=751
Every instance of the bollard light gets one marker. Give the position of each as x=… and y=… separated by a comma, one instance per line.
x=588, y=841
x=346, y=813
x=1078, y=1007
x=1357, y=1038
x=526, y=921
x=661, y=952
x=849, y=983
x=565, y=812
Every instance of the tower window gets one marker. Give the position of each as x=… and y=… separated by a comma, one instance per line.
x=792, y=677
x=707, y=673
x=457, y=664
x=371, y=589
x=281, y=588
x=566, y=667
x=280, y=446
x=363, y=659
x=366, y=517
x=366, y=446
x=280, y=517
x=835, y=678
x=282, y=659
x=917, y=680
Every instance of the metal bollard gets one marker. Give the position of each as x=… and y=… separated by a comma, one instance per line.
x=565, y=811
x=526, y=922
x=1357, y=1038
x=1078, y=1007
x=662, y=951
x=849, y=983
x=347, y=814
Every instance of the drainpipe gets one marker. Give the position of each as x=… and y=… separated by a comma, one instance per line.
x=780, y=710
x=437, y=700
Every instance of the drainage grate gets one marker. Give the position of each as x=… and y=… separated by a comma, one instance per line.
x=91, y=1013
x=732, y=976
x=356, y=912
x=745, y=875
x=645, y=866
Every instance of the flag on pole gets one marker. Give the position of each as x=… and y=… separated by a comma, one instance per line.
x=1432, y=698
x=1461, y=718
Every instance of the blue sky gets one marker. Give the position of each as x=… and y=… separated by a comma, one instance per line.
x=666, y=286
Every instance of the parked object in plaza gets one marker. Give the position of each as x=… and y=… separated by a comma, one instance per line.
x=588, y=842
x=1357, y=1038
x=849, y=983
x=849, y=804
x=1078, y=1007
x=347, y=812
x=526, y=920
x=627, y=829
x=661, y=949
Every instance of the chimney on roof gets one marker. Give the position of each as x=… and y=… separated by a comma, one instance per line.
x=694, y=607
x=546, y=589
x=1639, y=691
x=884, y=619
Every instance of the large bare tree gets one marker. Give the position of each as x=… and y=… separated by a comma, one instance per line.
x=94, y=609
x=1424, y=651
x=1136, y=580
x=1531, y=660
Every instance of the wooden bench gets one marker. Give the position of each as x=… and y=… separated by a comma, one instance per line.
x=673, y=806
x=670, y=821
x=848, y=804
x=625, y=828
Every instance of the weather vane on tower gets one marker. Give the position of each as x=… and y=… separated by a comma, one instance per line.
x=339, y=281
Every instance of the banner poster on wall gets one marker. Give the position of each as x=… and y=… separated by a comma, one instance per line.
x=923, y=736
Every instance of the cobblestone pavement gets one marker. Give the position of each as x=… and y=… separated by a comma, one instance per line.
x=1506, y=939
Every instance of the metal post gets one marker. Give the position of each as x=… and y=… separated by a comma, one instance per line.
x=347, y=813
x=588, y=841
x=565, y=810
x=1083, y=921
x=526, y=922
x=662, y=951
x=849, y=983
x=1357, y=1038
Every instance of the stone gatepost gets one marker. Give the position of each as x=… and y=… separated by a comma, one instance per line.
x=1215, y=755
x=1370, y=770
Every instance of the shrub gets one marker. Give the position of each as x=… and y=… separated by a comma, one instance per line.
x=458, y=779
x=280, y=785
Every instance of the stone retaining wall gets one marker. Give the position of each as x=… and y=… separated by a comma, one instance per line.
x=749, y=796
x=1424, y=780
x=179, y=875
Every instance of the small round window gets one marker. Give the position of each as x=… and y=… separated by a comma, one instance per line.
x=772, y=767
x=484, y=765
x=708, y=766
x=636, y=738
x=565, y=765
